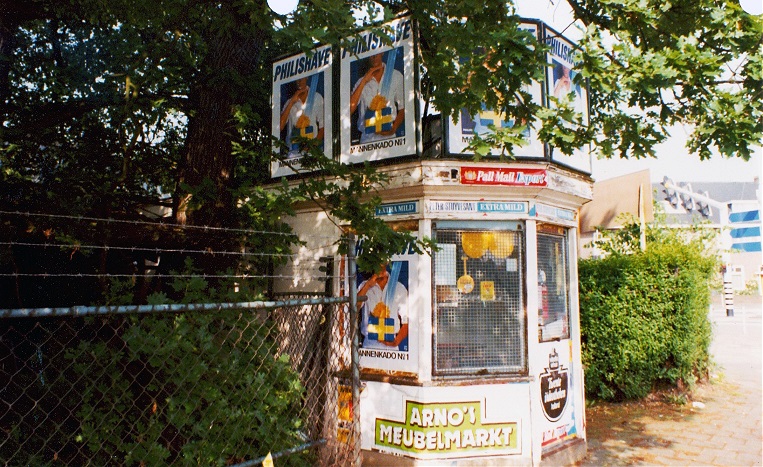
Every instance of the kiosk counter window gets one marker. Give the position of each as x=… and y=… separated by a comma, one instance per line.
x=553, y=284
x=479, y=319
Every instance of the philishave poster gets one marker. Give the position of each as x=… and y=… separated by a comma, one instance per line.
x=301, y=107
x=461, y=133
x=387, y=327
x=377, y=95
x=564, y=87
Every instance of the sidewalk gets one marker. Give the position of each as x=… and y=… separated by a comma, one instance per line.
x=723, y=430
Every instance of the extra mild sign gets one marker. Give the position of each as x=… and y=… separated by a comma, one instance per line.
x=503, y=176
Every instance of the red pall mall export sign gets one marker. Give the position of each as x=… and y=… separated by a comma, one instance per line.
x=503, y=176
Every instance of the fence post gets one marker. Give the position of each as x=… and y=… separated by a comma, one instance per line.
x=354, y=358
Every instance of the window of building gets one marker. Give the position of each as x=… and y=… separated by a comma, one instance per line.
x=553, y=284
x=479, y=320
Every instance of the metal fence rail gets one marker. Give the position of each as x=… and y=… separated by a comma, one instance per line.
x=213, y=384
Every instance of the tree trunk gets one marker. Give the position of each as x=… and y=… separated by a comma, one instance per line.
x=233, y=55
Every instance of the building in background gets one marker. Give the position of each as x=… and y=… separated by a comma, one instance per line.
x=634, y=193
x=626, y=194
x=743, y=201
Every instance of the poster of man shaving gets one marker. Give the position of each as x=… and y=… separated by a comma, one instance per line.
x=385, y=313
x=563, y=86
x=461, y=133
x=301, y=107
x=389, y=308
x=377, y=108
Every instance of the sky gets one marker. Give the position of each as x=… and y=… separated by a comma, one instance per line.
x=673, y=159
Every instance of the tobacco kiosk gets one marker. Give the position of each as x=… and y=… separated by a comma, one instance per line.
x=470, y=355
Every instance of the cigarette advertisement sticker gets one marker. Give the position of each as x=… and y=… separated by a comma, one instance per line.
x=552, y=212
x=397, y=209
x=482, y=207
x=503, y=176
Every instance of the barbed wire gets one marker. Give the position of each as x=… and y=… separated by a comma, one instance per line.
x=167, y=307
x=76, y=246
x=305, y=262
x=180, y=276
x=155, y=224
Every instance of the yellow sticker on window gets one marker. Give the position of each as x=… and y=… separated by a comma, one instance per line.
x=487, y=291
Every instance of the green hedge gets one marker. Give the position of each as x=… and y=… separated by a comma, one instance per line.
x=644, y=316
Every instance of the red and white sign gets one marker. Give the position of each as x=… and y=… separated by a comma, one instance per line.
x=503, y=176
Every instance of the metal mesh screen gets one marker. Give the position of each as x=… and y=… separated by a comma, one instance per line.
x=202, y=388
x=553, y=284
x=479, y=316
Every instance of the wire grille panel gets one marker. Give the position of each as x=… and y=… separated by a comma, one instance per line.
x=553, y=285
x=479, y=308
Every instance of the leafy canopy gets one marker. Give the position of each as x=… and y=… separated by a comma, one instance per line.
x=653, y=64
x=107, y=107
x=649, y=64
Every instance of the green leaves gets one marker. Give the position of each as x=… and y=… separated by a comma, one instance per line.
x=474, y=54
x=504, y=139
x=348, y=195
x=191, y=388
x=654, y=64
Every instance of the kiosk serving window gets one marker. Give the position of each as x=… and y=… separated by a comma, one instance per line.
x=479, y=321
x=553, y=284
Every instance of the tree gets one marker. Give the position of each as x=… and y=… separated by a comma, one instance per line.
x=108, y=107
x=653, y=64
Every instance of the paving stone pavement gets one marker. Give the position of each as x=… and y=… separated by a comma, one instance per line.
x=724, y=429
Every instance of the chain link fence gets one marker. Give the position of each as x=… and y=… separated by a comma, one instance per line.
x=219, y=384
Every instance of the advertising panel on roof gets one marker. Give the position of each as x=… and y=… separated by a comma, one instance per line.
x=301, y=107
x=563, y=86
x=460, y=133
x=377, y=95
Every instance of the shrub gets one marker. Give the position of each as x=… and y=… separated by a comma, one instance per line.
x=188, y=388
x=644, y=314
